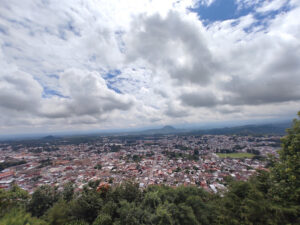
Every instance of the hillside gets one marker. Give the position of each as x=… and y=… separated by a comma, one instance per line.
x=269, y=129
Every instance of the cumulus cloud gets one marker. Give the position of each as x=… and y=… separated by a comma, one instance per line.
x=263, y=90
x=206, y=2
x=271, y=6
x=199, y=99
x=86, y=93
x=173, y=45
x=19, y=92
x=86, y=100
x=176, y=111
x=114, y=64
x=260, y=69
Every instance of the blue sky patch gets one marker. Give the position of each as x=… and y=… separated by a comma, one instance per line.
x=112, y=74
x=111, y=87
x=120, y=41
x=263, y=19
x=111, y=79
x=47, y=93
x=221, y=10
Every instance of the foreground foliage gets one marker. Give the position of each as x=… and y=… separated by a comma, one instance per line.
x=269, y=197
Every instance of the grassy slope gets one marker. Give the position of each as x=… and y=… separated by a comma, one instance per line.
x=235, y=155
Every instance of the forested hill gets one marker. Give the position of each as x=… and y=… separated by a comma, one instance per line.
x=271, y=196
x=265, y=129
x=253, y=129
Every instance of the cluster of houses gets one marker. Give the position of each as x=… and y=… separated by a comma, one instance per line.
x=170, y=160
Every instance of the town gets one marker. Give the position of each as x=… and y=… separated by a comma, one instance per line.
x=205, y=160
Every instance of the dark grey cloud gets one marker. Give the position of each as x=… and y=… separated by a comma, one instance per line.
x=262, y=71
x=242, y=91
x=228, y=109
x=176, y=113
x=199, y=99
x=262, y=91
x=275, y=80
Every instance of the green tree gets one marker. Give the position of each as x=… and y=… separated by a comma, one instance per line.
x=103, y=219
x=286, y=173
x=285, y=176
x=110, y=208
x=13, y=198
x=245, y=204
x=42, y=199
x=87, y=205
x=98, y=166
x=268, y=197
x=59, y=214
x=20, y=217
x=164, y=216
x=130, y=214
x=128, y=191
x=77, y=222
x=151, y=200
x=202, y=209
x=68, y=191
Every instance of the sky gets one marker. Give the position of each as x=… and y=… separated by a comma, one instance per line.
x=96, y=64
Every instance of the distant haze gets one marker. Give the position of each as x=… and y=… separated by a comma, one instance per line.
x=275, y=128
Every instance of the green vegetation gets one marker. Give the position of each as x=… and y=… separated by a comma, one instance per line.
x=238, y=155
x=136, y=158
x=98, y=166
x=269, y=197
x=20, y=217
x=181, y=147
x=184, y=156
x=7, y=164
x=45, y=162
x=115, y=148
x=254, y=130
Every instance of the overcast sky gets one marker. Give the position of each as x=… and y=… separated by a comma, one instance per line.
x=98, y=64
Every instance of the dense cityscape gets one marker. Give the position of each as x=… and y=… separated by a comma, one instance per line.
x=173, y=160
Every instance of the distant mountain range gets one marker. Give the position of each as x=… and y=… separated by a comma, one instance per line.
x=164, y=130
x=49, y=137
x=275, y=129
x=263, y=129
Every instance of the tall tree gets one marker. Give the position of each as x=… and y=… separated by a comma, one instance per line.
x=13, y=198
x=42, y=199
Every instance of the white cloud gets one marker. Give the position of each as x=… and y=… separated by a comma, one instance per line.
x=271, y=5
x=86, y=93
x=19, y=92
x=55, y=57
x=206, y=2
x=174, y=45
